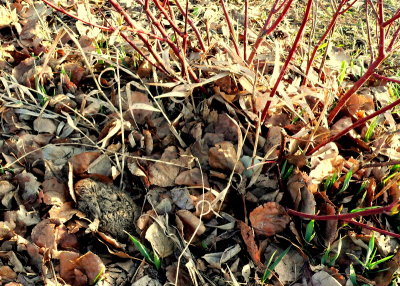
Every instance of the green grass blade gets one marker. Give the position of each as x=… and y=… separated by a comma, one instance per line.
x=271, y=268
x=353, y=276
x=325, y=257
x=309, y=235
x=343, y=68
x=346, y=181
x=370, y=130
x=357, y=259
x=99, y=276
x=364, y=209
x=141, y=248
x=372, y=265
x=371, y=246
x=156, y=261
x=336, y=256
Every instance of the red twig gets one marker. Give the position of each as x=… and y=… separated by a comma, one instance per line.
x=355, y=125
x=331, y=25
x=349, y=216
x=386, y=78
x=169, y=19
x=196, y=31
x=265, y=31
x=128, y=20
x=342, y=101
x=112, y=29
x=174, y=48
x=246, y=27
x=383, y=51
x=382, y=231
x=231, y=31
x=394, y=18
x=288, y=59
x=59, y=9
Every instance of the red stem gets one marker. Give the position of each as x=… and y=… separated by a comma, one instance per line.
x=386, y=78
x=394, y=39
x=110, y=29
x=394, y=18
x=322, y=39
x=128, y=19
x=288, y=59
x=169, y=19
x=382, y=54
x=174, y=48
x=349, y=217
x=231, y=31
x=246, y=26
x=202, y=46
x=355, y=125
x=382, y=231
x=342, y=101
x=343, y=216
x=266, y=31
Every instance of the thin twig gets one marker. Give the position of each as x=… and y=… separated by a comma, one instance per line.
x=348, y=216
x=228, y=21
x=246, y=27
x=265, y=31
x=191, y=23
x=288, y=59
x=382, y=231
x=354, y=125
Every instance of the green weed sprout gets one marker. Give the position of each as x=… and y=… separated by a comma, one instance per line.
x=310, y=233
x=393, y=171
x=150, y=257
x=370, y=262
x=286, y=170
x=330, y=181
x=330, y=261
x=371, y=128
x=99, y=276
x=342, y=74
x=346, y=181
x=271, y=266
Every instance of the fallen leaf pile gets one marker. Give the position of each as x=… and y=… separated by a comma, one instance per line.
x=94, y=146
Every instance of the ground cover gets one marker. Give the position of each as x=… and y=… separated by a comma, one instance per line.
x=199, y=143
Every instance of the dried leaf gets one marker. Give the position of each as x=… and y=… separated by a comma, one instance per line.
x=7, y=274
x=54, y=192
x=44, y=234
x=140, y=106
x=248, y=238
x=188, y=223
x=269, y=219
x=91, y=265
x=160, y=242
x=164, y=175
x=44, y=125
x=183, y=275
x=322, y=278
x=192, y=177
x=329, y=227
x=223, y=157
x=29, y=186
x=82, y=161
